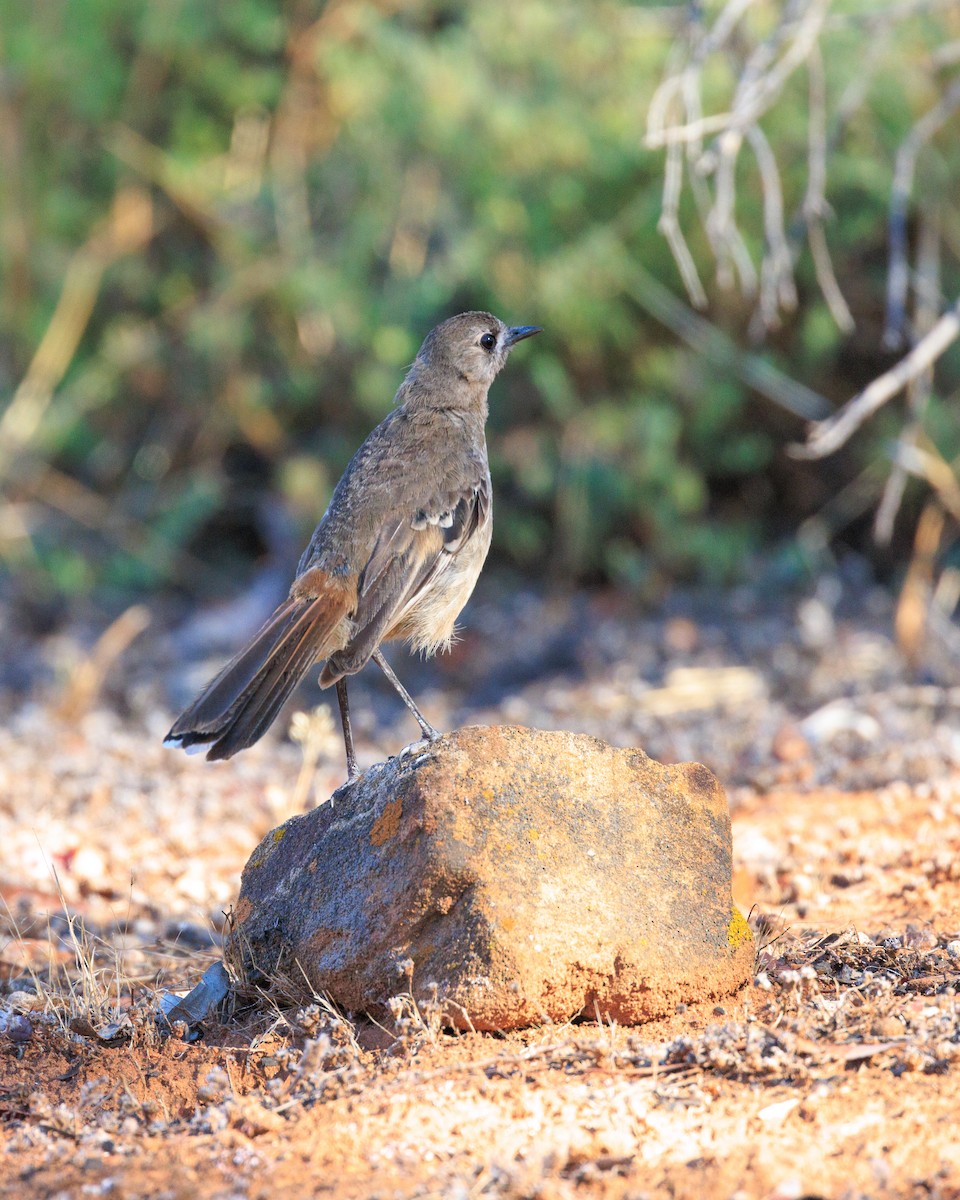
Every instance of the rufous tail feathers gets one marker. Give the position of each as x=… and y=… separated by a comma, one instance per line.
x=237, y=707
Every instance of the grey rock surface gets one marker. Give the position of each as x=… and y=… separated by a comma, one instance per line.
x=525, y=875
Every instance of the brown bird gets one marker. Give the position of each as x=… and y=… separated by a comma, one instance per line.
x=395, y=556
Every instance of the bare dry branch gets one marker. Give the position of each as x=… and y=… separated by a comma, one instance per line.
x=928, y=300
x=827, y=279
x=761, y=80
x=898, y=277
x=826, y=437
x=815, y=207
x=88, y=677
x=714, y=345
x=889, y=505
x=130, y=225
x=777, y=287
x=926, y=462
x=758, y=86
x=910, y=621
x=669, y=226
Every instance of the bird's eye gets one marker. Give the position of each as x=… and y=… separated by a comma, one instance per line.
x=488, y=341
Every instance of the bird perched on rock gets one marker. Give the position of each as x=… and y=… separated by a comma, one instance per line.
x=395, y=556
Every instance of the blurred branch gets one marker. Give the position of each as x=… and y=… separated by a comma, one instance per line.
x=918, y=390
x=88, y=677
x=81, y=286
x=129, y=226
x=777, y=288
x=815, y=206
x=759, y=85
x=926, y=462
x=706, y=339
x=676, y=120
x=761, y=82
x=152, y=164
x=826, y=437
x=910, y=619
x=15, y=233
x=898, y=273
x=669, y=226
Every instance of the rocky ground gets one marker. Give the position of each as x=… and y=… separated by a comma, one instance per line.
x=836, y=1073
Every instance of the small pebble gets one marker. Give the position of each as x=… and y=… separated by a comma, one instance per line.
x=789, y=744
x=17, y=1028
x=24, y=1002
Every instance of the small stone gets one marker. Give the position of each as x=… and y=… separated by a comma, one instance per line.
x=839, y=716
x=788, y=1189
x=815, y=623
x=16, y=1027
x=789, y=744
x=471, y=867
x=887, y=1027
x=919, y=937
x=776, y=1114
x=24, y=1002
x=681, y=635
x=90, y=867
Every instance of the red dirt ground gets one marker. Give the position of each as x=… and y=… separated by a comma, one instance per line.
x=836, y=1074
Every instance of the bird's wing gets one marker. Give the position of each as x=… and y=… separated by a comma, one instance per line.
x=410, y=553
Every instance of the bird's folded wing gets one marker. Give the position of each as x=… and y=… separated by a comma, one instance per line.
x=409, y=554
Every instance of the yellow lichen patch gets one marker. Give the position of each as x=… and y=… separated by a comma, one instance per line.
x=269, y=842
x=387, y=825
x=738, y=931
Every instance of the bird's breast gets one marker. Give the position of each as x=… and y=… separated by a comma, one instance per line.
x=429, y=623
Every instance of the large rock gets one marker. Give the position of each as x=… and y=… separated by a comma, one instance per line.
x=526, y=875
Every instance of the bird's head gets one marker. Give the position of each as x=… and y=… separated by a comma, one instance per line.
x=474, y=345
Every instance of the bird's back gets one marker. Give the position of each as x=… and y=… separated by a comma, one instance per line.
x=413, y=465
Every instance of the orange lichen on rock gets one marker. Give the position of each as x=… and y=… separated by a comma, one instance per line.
x=387, y=825
x=524, y=873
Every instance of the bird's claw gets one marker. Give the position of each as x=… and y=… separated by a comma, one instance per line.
x=422, y=744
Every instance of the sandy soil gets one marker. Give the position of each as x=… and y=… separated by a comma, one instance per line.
x=835, y=1074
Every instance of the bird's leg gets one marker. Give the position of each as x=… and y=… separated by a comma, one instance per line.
x=429, y=733
x=352, y=771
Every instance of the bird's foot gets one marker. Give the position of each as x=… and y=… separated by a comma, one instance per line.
x=423, y=744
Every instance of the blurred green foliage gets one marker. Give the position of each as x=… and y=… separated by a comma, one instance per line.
x=274, y=203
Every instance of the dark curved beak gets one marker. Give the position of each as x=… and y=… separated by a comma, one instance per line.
x=519, y=332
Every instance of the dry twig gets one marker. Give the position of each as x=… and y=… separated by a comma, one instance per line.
x=826, y=437
x=898, y=277
x=676, y=123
